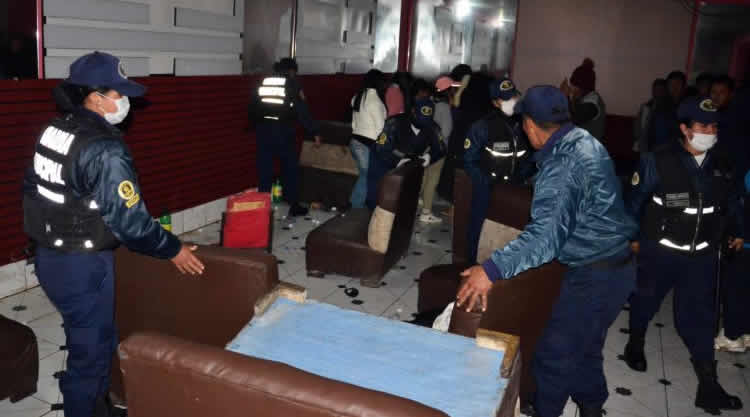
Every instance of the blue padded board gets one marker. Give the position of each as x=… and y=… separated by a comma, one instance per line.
x=444, y=371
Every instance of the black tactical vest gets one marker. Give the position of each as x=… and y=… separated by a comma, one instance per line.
x=681, y=217
x=275, y=99
x=54, y=216
x=501, y=156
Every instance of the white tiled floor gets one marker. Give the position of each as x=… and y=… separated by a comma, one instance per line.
x=631, y=393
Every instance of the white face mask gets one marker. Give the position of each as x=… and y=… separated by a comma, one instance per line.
x=508, y=106
x=123, y=107
x=702, y=142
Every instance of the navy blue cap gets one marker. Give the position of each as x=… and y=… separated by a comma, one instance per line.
x=544, y=103
x=694, y=109
x=99, y=69
x=503, y=89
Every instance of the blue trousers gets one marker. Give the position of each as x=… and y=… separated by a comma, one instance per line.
x=361, y=154
x=81, y=286
x=277, y=140
x=568, y=361
x=736, y=290
x=694, y=282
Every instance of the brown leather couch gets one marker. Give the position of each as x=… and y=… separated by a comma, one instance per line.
x=365, y=244
x=151, y=295
x=167, y=376
x=520, y=306
x=19, y=360
x=328, y=172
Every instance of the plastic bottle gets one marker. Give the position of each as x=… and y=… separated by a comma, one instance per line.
x=276, y=192
x=166, y=222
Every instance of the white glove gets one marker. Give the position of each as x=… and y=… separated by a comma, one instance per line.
x=403, y=161
x=425, y=160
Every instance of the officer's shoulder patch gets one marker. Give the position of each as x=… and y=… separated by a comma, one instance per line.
x=126, y=190
x=635, y=180
x=382, y=139
x=467, y=143
x=426, y=110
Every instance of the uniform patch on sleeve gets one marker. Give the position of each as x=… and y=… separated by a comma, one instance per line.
x=467, y=143
x=126, y=190
x=382, y=139
x=427, y=110
x=635, y=180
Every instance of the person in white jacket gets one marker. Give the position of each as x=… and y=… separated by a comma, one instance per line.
x=368, y=118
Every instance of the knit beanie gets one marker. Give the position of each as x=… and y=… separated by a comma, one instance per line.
x=584, y=76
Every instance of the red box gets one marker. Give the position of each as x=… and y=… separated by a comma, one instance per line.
x=248, y=220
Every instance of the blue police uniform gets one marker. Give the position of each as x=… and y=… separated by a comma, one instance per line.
x=689, y=209
x=500, y=129
x=275, y=132
x=578, y=217
x=397, y=141
x=81, y=198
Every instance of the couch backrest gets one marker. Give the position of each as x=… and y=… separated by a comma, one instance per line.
x=151, y=295
x=167, y=376
x=333, y=154
x=392, y=223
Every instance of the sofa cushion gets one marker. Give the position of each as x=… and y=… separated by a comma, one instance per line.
x=379, y=232
x=329, y=157
x=494, y=236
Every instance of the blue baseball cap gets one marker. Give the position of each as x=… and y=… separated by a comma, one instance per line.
x=544, y=103
x=99, y=69
x=694, y=109
x=503, y=89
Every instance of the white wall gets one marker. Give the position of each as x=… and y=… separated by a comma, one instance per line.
x=181, y=37
x=632, y=42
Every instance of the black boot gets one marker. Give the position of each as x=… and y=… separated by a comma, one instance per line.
x=634, y=356
x=711, y=397
x=584, y=411
x=102, y=408
x=297, y=210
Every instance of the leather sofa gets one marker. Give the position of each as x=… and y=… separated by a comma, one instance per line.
x=328, y=172
x=364, y=244
x=167, y=376
x=521, y=306
x=151, y=295
x=19, y=360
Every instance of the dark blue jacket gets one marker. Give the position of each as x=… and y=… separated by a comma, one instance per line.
x=577, y=213
x=98, y=172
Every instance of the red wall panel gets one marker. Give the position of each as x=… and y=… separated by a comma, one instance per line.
x=189, y=136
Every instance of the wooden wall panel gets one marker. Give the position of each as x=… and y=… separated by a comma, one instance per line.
x=190, y=138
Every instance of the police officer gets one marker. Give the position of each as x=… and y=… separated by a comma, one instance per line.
x=81, y=200
x=577, y=216
x=689, y=195
x=397, y=144
x=495, y=151
x=278, y=102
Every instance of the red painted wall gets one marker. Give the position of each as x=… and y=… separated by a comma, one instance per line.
x=191, y=143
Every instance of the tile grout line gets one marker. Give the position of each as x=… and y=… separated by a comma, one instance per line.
x=663, y=371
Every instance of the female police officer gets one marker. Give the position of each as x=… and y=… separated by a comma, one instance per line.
x=81, y=199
